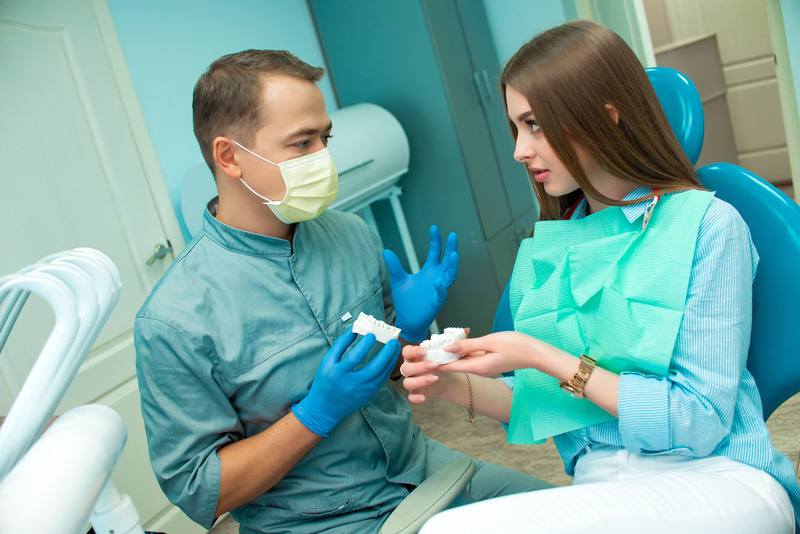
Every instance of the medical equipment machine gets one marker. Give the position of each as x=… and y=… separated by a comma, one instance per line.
x=67, y=468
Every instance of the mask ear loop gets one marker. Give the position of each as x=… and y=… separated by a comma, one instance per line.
x=268, y=201
x=253, y=153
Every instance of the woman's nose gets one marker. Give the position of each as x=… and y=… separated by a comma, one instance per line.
x=523, y=149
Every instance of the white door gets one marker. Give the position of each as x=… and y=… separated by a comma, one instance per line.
x=77, y=169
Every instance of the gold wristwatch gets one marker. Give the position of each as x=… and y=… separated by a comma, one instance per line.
x=576, y=385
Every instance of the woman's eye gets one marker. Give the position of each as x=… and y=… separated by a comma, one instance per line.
x=303, y=144
x=534, y=125
x=326, y=138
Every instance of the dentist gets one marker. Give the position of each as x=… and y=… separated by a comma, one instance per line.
x=254, y=400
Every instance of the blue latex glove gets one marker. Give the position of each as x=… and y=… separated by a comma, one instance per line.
x=338, y=390
x=419, y=297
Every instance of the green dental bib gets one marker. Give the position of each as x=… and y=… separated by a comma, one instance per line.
x=603, y=287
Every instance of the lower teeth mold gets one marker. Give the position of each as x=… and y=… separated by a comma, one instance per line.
x=367, y=324
x=435, y=345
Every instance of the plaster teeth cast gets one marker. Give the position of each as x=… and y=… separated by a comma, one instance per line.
x=435, y=345
x=366, y=324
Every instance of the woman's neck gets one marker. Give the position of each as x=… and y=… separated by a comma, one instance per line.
x=611, y=187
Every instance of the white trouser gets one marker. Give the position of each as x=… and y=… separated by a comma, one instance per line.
x=617, y=492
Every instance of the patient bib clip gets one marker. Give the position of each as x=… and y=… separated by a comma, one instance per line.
x=648, y=211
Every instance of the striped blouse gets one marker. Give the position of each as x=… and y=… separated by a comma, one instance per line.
x=708, y=404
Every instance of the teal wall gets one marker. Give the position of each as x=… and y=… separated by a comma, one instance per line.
x=515, y=22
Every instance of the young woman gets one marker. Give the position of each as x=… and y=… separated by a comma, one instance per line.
x=633, y=295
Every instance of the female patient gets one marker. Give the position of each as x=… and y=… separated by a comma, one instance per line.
x=632, y=311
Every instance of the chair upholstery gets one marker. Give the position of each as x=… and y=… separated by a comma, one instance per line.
x=430, y=497
x=774, y=222
x=682, y=106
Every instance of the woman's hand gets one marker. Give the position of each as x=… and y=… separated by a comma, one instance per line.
x=420, y=379
x=494, y=354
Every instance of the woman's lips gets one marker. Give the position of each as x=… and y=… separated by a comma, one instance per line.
x=540, y=175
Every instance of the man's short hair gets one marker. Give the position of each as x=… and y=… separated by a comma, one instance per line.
x=227, y=97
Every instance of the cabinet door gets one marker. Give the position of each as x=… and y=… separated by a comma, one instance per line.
x=412, y=58
x=486, y=71
x=466, y=56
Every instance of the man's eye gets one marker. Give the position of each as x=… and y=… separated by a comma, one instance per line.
x=326, y=138
x=303, y=144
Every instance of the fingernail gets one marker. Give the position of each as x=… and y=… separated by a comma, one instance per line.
x=429, y=366
x=431, y=379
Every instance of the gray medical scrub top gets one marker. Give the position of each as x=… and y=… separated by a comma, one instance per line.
x=232, y=336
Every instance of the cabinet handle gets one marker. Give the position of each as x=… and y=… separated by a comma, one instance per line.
x=487, y=86
x=479, y=85
x=159, y=252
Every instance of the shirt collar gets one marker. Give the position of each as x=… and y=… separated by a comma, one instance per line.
x=241, y=241
x=631, y=211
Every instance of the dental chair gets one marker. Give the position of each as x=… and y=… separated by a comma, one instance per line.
x=59, y=481
x=774, y=222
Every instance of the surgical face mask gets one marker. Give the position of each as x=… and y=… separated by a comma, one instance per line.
x=311, y=185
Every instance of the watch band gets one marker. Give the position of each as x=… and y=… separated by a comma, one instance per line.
x=575, y=387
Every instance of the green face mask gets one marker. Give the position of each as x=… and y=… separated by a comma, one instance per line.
x=311, y=186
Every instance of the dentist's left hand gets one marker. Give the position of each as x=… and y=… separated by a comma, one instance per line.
x=419, y=297
x=338, y=390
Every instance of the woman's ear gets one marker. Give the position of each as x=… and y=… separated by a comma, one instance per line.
x=613, y=113
x=225, y=156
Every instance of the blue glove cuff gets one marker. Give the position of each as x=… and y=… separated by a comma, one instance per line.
x=308, y=421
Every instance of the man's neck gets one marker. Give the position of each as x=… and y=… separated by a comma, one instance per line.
x=254, y=217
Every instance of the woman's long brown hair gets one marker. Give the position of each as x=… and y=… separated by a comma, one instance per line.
x=569, y=74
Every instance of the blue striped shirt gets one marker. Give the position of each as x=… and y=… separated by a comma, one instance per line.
x=708, y=404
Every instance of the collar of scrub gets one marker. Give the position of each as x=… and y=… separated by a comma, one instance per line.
x=631, y=212
x=243, y=242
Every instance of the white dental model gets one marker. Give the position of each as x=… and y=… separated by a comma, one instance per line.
x=436, y=344
x=367, y=324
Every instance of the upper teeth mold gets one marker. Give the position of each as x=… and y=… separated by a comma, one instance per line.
x=435, y=345
x=367, y=324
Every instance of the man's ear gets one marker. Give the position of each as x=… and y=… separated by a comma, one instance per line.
x=613, y=113
x=225, y=156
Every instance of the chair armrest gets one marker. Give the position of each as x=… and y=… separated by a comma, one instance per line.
x=430, y=497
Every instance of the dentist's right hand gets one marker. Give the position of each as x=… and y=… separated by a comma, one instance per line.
x=338, y=390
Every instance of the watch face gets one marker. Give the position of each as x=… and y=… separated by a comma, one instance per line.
x=570, y=390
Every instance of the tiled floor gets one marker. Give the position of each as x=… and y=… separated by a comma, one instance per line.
x=485, y=440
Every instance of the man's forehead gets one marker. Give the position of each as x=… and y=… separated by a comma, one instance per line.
x=293, y=105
